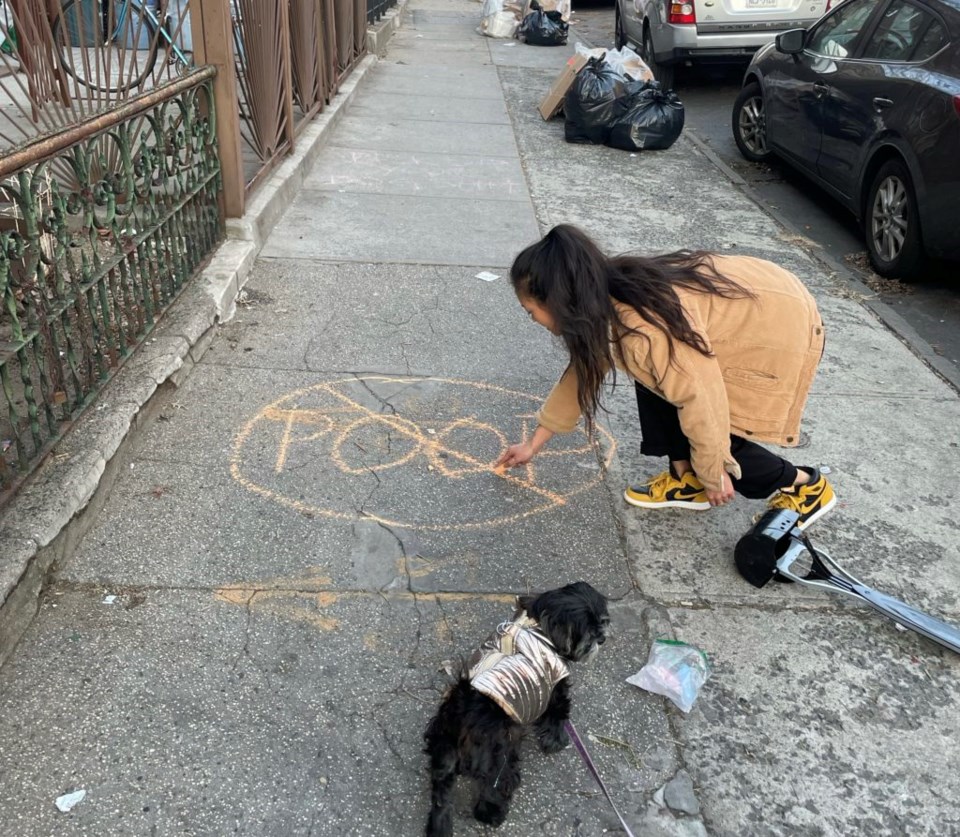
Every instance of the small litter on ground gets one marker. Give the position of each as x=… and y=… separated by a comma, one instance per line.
x=66, y=802
x=675, y=670
x=108, y=600
x=486, y=276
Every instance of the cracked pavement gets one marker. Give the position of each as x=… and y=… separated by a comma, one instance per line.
x=313, y=533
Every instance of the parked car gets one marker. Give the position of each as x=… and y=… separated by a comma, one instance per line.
x=867, y=104
x=672, y=32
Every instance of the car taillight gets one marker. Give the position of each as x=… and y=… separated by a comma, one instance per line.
x=682, y=13
x=956, y=104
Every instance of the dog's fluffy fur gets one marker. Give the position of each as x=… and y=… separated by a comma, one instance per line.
x=472, y=736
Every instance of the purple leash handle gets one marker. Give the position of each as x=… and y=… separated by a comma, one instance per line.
x=581, y=748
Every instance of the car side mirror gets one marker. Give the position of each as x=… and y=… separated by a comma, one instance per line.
x=791, y=42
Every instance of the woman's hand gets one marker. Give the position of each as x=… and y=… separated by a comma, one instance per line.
x=516, y=455
x=724, y=495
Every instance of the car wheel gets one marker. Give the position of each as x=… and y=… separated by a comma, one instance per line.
x=892, y=224
x=664, y=73
x=619, y=35
x=750, y=124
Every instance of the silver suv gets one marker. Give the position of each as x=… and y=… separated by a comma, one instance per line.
x=670, y=33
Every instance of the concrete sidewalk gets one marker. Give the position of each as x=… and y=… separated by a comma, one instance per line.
x=309, y=535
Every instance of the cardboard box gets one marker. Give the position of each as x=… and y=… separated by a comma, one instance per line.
x=553, y=101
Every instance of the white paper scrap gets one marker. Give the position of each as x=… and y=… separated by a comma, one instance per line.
x=487, y=276
x=68, y=800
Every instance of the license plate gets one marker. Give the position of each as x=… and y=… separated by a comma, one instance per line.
x=762, y=4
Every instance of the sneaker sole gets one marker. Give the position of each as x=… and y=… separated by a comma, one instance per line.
x=818, y=514
x=664, y=504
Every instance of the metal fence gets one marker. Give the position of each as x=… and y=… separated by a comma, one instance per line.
x=290, y=59
x=115, y=176
x=376, y=8
x=111, y=217
x=64, y=60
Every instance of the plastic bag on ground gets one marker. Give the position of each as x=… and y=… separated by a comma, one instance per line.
x=646, y=119
x=590, y=104
x=675, y=670
x=541, y=28
x=564, y=7
x=498, y=19
x=624, y=61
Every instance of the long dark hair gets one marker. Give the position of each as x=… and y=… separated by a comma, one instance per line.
x=569, y=275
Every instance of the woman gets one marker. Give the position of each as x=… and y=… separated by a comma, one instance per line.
x=723, y=350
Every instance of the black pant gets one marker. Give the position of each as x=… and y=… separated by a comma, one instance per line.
x=763, y=472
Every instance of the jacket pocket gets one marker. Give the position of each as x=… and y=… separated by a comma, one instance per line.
x=751, y=379
x=758, y=406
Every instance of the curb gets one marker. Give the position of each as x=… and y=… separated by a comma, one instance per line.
x=57, y=506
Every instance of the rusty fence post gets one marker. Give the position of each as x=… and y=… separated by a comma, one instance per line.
x=286, y=53
x=321, y=66
x=331, y=64
x=213, y=44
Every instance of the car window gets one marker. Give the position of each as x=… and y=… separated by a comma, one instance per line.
x=835, y=35
x=931, y=43
x=905, y=33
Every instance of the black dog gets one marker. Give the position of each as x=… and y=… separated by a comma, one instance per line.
x=517, y=678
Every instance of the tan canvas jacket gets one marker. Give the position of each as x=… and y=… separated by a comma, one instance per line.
x=765, y=353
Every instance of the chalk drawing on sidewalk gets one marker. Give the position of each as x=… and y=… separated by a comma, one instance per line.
x=308, y=600
x=409, y=452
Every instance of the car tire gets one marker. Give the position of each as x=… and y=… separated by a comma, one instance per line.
x=750, y=124
x=891, y=224
x=619, y=34
x=664, y=73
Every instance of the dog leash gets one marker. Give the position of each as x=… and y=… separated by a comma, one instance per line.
x=581, y=748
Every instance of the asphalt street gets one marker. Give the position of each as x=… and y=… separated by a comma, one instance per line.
x=931, y=307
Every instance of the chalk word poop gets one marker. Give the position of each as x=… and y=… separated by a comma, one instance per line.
x=410, y=452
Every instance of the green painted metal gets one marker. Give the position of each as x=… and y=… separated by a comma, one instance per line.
x=96, y=240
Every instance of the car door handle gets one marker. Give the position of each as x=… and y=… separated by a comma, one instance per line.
x=880, y=102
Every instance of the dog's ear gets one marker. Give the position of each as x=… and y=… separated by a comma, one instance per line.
x=563, y=641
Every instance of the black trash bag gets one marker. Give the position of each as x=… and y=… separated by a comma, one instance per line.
x=542, y=28
x=590, y=104
x=646, y=119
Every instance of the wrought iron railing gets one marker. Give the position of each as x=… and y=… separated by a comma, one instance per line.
x=290, y=59
x=104, y=223
x=62, y=61
x=376, y=8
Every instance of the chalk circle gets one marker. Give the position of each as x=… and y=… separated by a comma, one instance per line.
x=414, y=447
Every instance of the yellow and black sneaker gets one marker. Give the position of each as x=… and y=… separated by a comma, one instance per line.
x=811, y=500
x=668, y=491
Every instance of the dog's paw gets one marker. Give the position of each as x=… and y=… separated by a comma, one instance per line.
x=490, y=813
x=553, y=740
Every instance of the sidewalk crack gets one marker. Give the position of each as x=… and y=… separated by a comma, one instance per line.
x=245, y=650
x=383, y=401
